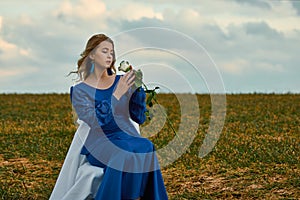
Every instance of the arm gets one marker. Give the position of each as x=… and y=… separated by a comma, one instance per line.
x=137, y=106
x=84, y=105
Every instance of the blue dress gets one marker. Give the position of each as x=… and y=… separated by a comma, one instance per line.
x=131, y=168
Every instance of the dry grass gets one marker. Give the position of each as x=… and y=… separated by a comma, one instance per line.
x=256, y=157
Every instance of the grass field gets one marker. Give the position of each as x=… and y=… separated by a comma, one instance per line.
x=256, y=157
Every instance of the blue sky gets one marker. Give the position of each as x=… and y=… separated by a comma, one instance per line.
x=183, y=46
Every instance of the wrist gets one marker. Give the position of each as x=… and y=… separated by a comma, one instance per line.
x=117, y=95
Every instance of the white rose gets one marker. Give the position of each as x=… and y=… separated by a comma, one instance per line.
x=125, y=66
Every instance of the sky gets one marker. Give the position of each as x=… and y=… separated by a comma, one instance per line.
x=193, y=46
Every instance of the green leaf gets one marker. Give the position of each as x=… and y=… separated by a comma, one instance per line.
x=138, y=78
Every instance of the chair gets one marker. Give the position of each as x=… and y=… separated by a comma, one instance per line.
x=78, y=179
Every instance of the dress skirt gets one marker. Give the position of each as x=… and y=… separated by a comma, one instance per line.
x=131, y=174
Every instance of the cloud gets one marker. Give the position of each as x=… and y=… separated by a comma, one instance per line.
x=9, y=73
x=241, y=13
x=6, y=49
x=97, y=10
x=261, y=29
x=246, y=40
x=296, y=5
x=253, y=48
x=269, y=67
x=256, y=3
x=11, y=52
x=243, y=66
x=135, y=11
x=84, y=9
x=1, y=19
x=235, y=67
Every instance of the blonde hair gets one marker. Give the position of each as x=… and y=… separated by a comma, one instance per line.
x=84, y=63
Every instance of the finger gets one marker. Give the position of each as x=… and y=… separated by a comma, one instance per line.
x=131, y=74
x=124, y=78
x=127, y=78
x=131, y=79
x=131, y=84
x=127, y=74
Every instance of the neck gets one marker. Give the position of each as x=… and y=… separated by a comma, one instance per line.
x=100, y=73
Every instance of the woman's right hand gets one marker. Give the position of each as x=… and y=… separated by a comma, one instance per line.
x=125, y=82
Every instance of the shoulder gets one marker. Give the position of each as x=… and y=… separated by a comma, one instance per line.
x=79, y=89
x=77, y=86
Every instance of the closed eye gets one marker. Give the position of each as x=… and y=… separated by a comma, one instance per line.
x=105, y=50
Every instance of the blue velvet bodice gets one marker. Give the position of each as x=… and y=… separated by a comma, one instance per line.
x=105, y=115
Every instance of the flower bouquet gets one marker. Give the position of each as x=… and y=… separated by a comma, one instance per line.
x=125, y=66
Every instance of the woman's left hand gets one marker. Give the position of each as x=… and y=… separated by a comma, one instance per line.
x=125, y=82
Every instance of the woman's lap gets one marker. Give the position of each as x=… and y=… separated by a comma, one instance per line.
x=122, y=144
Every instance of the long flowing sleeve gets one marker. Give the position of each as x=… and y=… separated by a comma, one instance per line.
x=137, y=106
x=95, y=114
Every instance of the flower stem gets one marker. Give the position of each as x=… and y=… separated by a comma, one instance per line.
x=168, y=120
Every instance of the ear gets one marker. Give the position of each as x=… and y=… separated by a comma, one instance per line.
x=91, y=55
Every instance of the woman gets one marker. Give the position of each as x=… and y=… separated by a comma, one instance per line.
x=107, y=103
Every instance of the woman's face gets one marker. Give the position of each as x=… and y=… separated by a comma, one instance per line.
x=103, y=55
